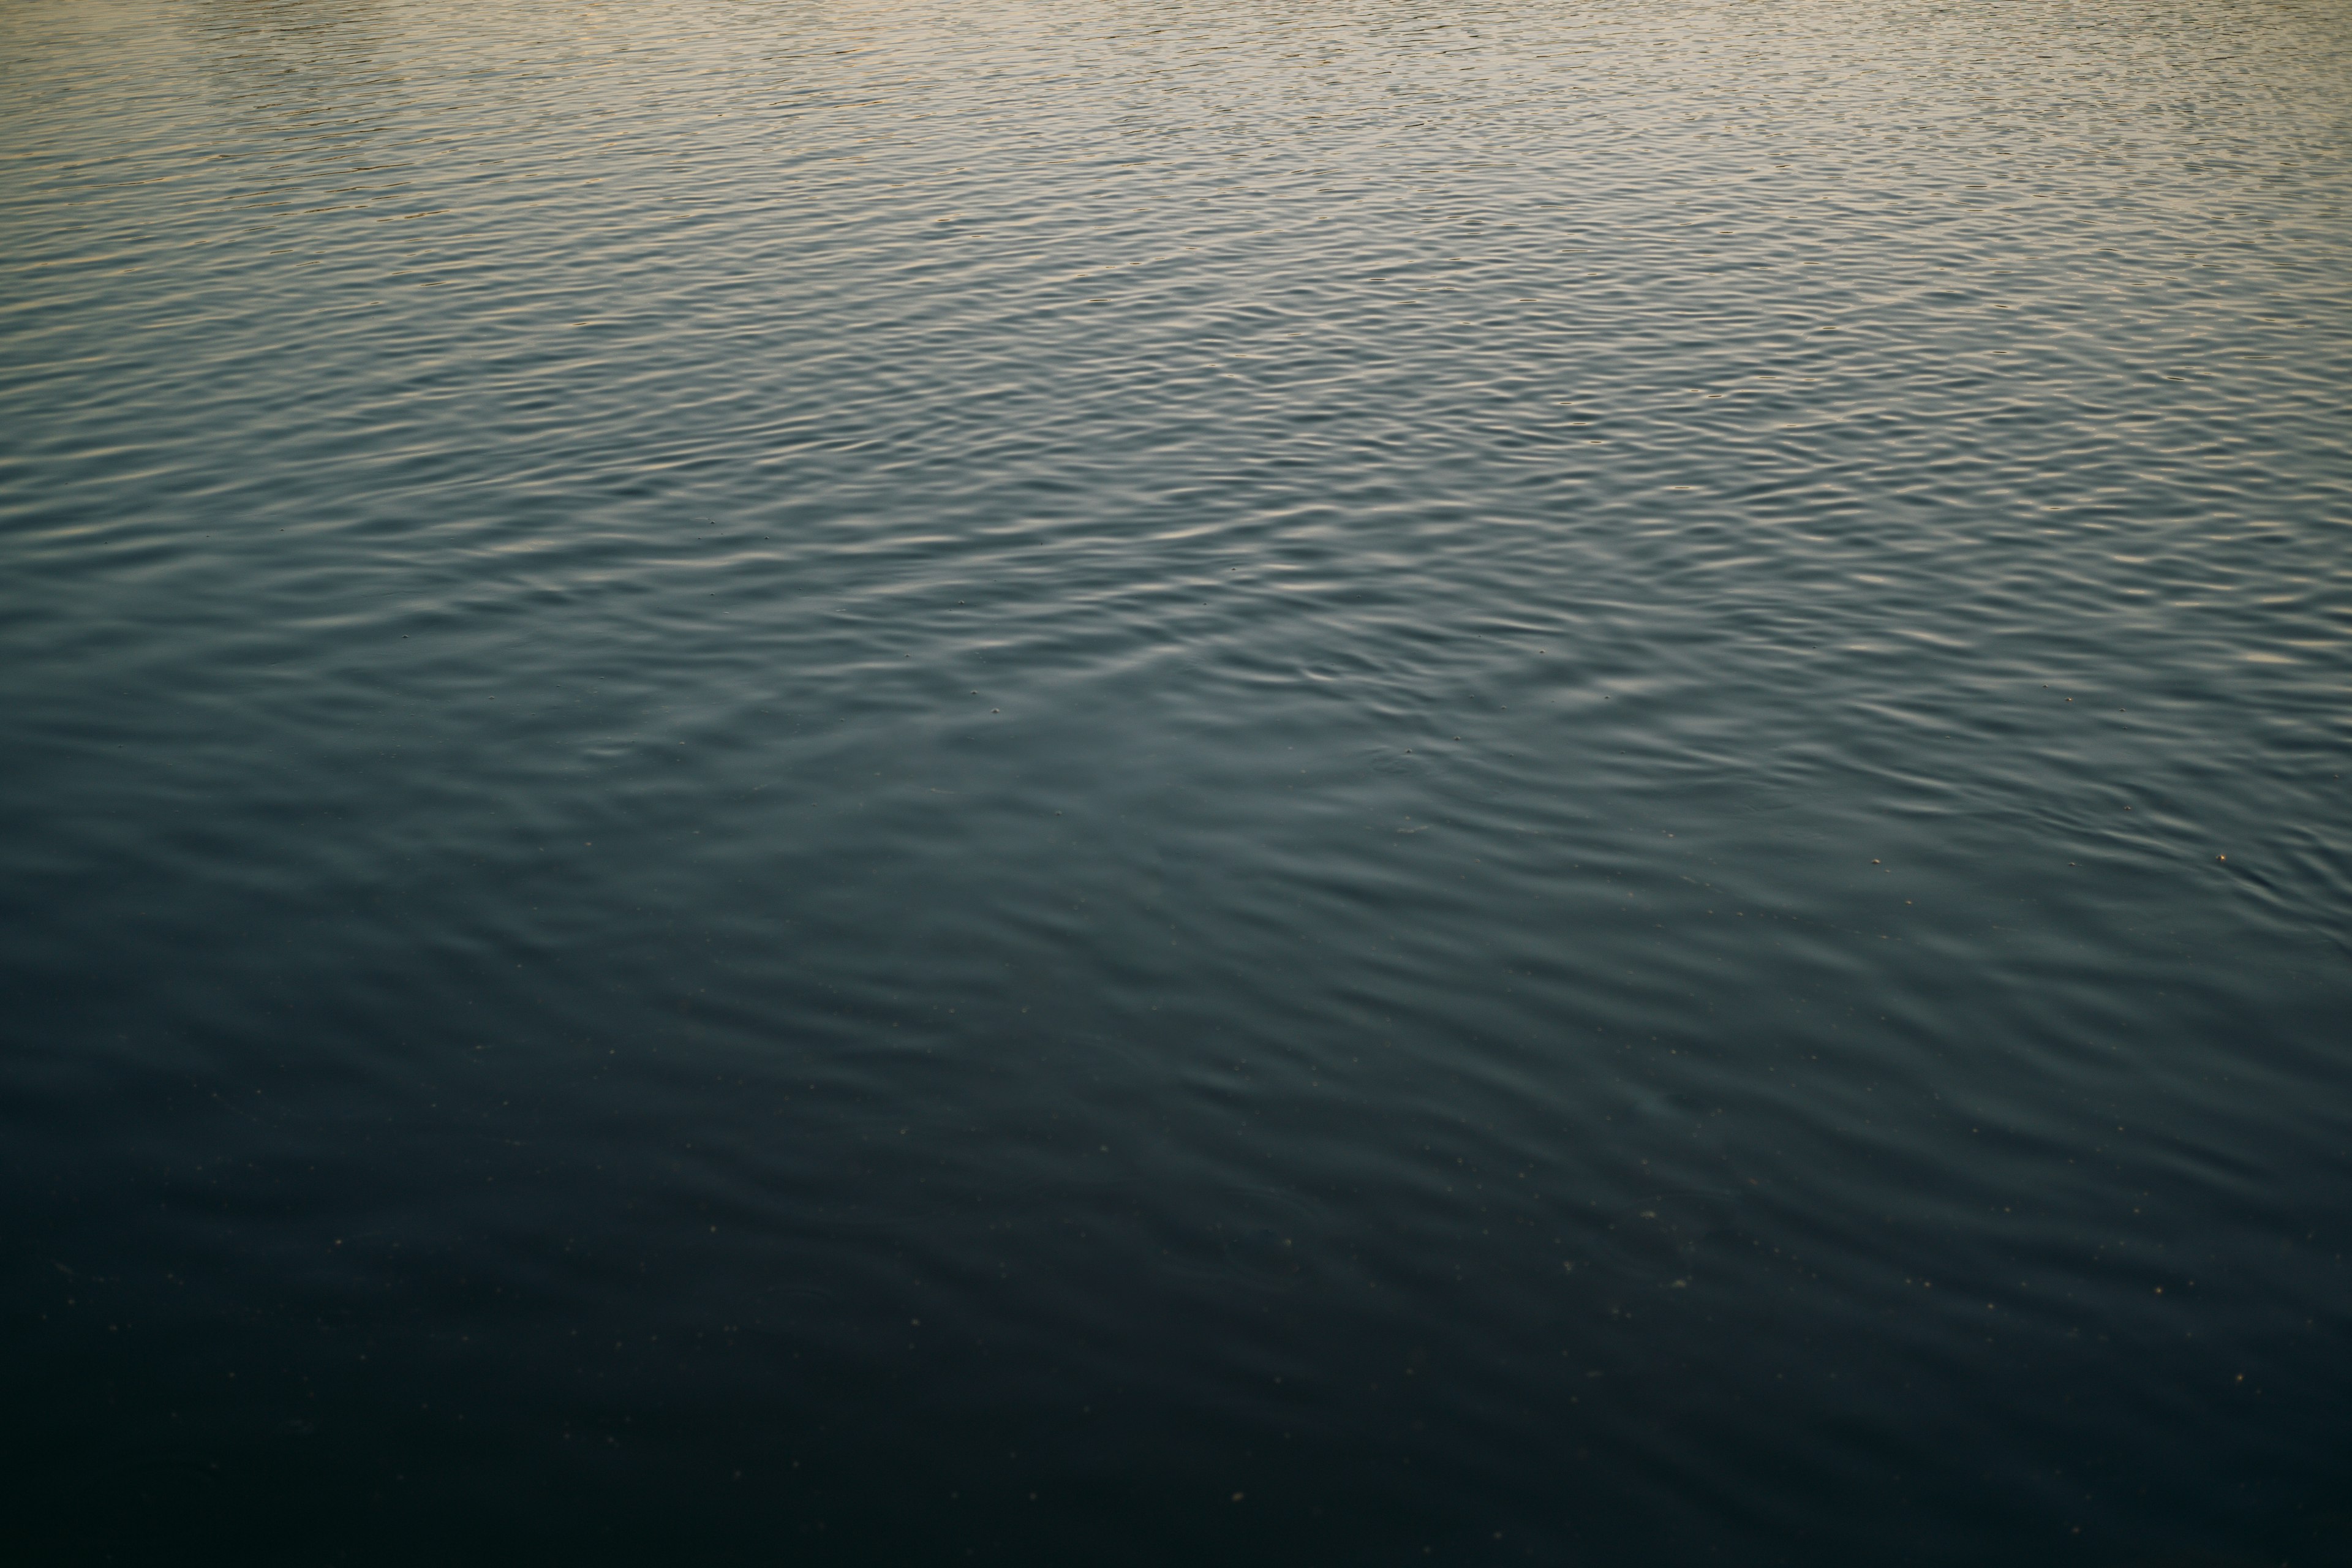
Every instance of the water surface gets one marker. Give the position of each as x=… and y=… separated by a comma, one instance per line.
x=1081, y=781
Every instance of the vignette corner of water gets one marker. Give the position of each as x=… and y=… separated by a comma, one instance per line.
x=1063, y=781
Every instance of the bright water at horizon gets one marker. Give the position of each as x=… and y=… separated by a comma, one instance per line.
x=1086, y=783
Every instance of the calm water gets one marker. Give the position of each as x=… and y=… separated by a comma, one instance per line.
x=1093, y=783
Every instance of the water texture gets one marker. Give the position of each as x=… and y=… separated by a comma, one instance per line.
x=1075, y=781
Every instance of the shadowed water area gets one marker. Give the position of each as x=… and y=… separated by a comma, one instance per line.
x=1087, y=781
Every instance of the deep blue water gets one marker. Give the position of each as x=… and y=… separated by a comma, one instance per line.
x=1074, y=782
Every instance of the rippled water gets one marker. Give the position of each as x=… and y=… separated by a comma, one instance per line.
x=1076, y=782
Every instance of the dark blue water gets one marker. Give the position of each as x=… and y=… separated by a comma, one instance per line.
x=1079, y=782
